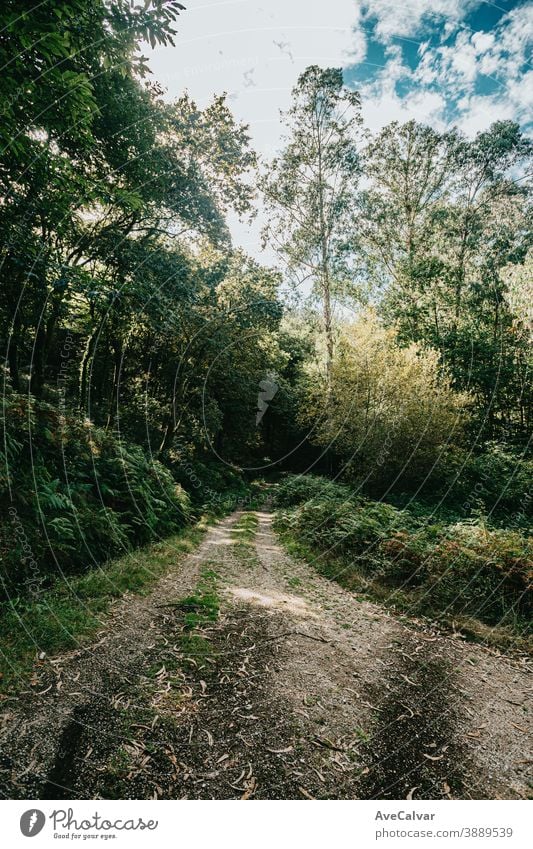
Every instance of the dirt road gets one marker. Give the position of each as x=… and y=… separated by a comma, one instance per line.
x=244, y=674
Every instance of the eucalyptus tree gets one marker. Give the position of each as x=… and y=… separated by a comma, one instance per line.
x=408, y=169
x=442, y=215
x=310, y=187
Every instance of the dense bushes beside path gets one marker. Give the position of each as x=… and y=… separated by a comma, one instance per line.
x=73, y=495
x=462, y=568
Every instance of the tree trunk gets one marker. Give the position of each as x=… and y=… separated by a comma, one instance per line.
x=328, y=330
x=84, y=371
x=37, y=364
x=116, y=345
x=13, y=353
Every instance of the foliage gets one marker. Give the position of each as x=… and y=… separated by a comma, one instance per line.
x=122, y=301
x=309, y=188
x=441, y=220
x=136, y=338
x=75, y=495
x=57, y=54
x=461, y=568
x=295, y=489
x=488, y=574
x=496, y=480
x=390, y=409
x=209, y=483
x=519, y=294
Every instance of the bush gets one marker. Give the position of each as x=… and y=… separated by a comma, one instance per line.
x=209, y=483
x=498, y=479
x=295, y=489
x=487, y=574
x=389, y=409
x=73, y=495
x=462, y=568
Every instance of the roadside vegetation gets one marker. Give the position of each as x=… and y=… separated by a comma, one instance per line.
x=68, y=613
x=463, y=571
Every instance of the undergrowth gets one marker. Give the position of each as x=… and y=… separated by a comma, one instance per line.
x=463, y=572
x=69, y=612
x=73, y=495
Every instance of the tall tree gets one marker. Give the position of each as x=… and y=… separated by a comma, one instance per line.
x=309, y=188
x=57, y=63
x=442, y=216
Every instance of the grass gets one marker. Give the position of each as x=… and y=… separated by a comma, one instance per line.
x=243, y=534
x=70, y=612
x=409, y=601
x=294, y=582
x=466, y=574
x=244, y=531
x=200, y=609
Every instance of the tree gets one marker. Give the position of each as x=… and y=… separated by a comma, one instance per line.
x=409, y=169
x=218, y=345
x=442, y=216
x=89, y=214
x=391, y=408
x=51, y=57
x=309, y=188
x=519, y=292
x=53, y=160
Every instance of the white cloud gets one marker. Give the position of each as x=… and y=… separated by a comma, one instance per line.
x=503, y=54
x=424, y=106
x=457, y=68
x=255, y=50
x=382, y=104
x=405, y=17
x=480, y=111
x=516, y=31
x=453, y=68
x=482, y=41
x=463, y=58
x=489, y=64
x=520, y=93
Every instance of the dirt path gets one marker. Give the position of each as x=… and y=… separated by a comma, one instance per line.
x=244, y=674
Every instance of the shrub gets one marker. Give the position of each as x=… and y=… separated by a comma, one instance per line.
x=208, y=482
x=295, y=489
x=461, y=568
x=73, y=495
x=498, y=478
x=487, y=574
x=389, y=409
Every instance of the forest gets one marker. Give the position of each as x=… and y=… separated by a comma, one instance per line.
x=372, y=381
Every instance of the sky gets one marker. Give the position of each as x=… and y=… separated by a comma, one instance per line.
x=444, y=62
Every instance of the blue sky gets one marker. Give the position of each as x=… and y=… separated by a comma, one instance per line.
x=443, y=62
x=466, y=63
